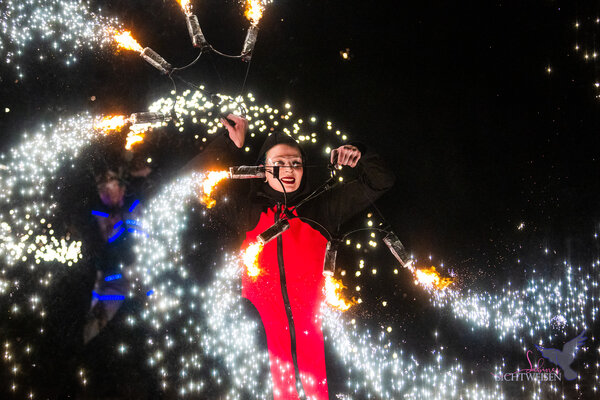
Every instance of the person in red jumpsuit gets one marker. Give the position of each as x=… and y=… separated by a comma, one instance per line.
x=288, y=291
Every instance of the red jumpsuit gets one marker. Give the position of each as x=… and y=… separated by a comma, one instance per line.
x=304, y=250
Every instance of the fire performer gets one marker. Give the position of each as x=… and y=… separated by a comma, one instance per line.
x=288, y=290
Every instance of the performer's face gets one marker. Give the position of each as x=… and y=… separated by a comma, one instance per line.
x=110, y=190
x=289, y=160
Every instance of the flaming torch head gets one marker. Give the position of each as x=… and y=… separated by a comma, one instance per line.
x=254, y=10
x=186, y=6
x=127, y=42
x=250, y=259
x=111, y=123
x=208, y=185
x=430, y=278
x=333, y=294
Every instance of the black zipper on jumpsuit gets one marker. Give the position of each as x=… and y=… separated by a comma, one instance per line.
x=288, y=307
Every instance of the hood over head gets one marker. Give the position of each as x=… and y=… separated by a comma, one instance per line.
x=271, y=141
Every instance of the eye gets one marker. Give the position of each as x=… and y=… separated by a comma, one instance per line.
x=278, y=163
x=297, y=164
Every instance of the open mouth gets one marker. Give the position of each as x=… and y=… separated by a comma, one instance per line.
x=288, y=180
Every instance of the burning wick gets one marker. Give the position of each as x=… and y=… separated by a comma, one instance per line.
x=208, y=185
x=126, y=41
x=333, y=296
x=250, y=259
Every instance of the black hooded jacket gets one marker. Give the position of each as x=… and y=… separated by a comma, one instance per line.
x=245, y=201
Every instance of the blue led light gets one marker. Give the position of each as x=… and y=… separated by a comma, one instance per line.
x=116, y=235
x=134, y=205
x=150, y=292
x=99, y=214
x=113, y=277
x=118, y=224
x=106, y=297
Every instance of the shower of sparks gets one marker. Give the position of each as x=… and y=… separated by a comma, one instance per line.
x=50, y=29
x=250, y=259
x=196, y=326
x=126, y=42
x=333, y=294
x=225, y=333
x=208, y=186
x=515, y=313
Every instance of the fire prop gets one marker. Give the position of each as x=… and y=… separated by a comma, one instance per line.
x=125, y=41
x=254, y=11
x=139, y=124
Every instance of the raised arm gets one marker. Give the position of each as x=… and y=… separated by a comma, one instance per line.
x=225, y=149
x=347, y=199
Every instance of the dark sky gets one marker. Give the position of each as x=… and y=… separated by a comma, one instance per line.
x=457, y=98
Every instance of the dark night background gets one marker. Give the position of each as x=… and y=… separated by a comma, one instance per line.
x=456, y=96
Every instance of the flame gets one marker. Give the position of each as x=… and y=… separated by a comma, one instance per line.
x=135, y=135
x=333, y=296
x=127, y=42
x=429, y=277
x=111, y=123
x=254, y=11
x=250, y=259
x=208, y=185
x=186, y=6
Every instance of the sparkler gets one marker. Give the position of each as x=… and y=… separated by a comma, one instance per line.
x=254, y=12
x=247, y=172
x=275, y=230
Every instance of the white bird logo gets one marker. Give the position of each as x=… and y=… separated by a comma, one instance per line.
x=565, y=357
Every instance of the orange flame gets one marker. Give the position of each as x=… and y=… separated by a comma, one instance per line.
x=429, y=277
x=127, y=42
x=254, y=11
x=250, y=259
x=208, y=185
x=186, y=6
x=134, y=136
x=333, y=294
x=111, y=123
